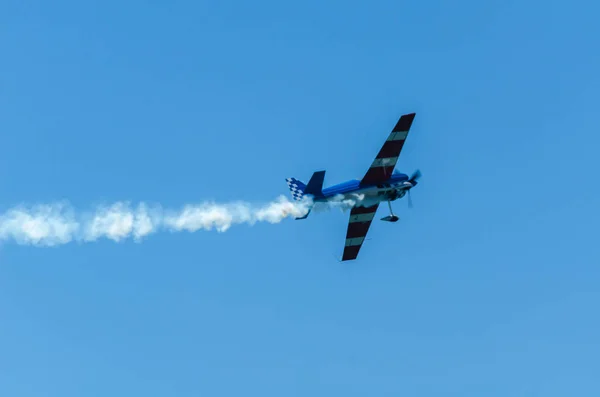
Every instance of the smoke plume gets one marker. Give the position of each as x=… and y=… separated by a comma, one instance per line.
x=58, y=223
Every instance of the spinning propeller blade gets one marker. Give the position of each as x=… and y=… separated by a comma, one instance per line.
x=413, y=180
x=415, y=176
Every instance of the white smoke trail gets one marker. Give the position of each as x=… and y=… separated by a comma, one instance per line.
x=57, y=224
x=346, y=202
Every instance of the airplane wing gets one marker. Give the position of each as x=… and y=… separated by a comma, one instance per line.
x=358, y=226
x=383, y=165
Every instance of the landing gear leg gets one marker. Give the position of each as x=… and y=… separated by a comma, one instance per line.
x=391, y=217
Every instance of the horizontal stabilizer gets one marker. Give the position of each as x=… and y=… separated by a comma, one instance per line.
x=296, y=188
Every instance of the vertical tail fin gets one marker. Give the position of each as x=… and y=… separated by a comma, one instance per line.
x=314, y=187
x=315, y=184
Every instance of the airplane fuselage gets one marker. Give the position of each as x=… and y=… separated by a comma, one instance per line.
x=380, y=183
x=392, y=189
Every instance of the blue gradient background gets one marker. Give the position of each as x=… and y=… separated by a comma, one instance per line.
x=488, y=287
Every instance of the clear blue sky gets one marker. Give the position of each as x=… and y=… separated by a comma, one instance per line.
x=488, y=287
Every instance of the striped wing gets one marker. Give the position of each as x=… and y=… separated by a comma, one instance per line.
x=383, y=165
x=358, y=226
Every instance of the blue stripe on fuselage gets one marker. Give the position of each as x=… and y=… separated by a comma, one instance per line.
x=342, y=188
x=354, y=185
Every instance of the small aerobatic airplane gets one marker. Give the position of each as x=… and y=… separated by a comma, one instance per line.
x=380, y=183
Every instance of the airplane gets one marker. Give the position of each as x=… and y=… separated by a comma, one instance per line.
x=380, y=183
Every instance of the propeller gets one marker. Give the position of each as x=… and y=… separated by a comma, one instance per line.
x=413, y=180
x=415, y=176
